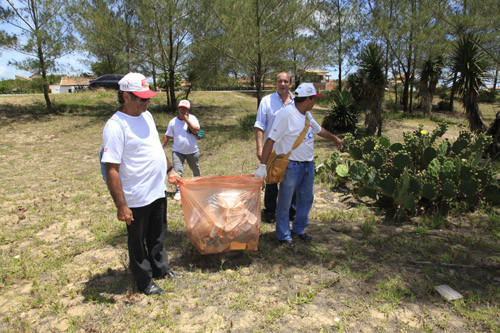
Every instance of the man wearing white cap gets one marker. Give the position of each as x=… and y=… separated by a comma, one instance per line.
x=299, y=176
x=183, y=130
x=136, y=169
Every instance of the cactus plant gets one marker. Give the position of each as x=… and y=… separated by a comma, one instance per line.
x=401, y=161
x=422, y=171
x=357, y=170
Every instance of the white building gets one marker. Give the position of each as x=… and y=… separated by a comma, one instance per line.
x=70, y=85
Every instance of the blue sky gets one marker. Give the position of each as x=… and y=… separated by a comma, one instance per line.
x=70, y=65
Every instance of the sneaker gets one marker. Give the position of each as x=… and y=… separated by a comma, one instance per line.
x=177, y=196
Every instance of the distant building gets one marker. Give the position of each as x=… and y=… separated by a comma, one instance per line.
x=21, y=77
x=70, y=85
x=320, y=79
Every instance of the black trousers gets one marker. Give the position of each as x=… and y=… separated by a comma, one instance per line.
x=270, y=199
x=146, y=234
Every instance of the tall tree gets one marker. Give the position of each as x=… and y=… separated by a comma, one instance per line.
x=470, y=63
x=166, y=23
x=250, y=32
x=373, y=82
x=429, y=77
x=338, y=25
x=106, y=28
x=407, y=28
x=44, y=35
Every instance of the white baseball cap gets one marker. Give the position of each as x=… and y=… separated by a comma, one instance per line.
x=137, y=84
x=185, y=103
x=306, y=90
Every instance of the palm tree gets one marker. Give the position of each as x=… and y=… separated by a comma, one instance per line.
x=429, y=77
x=470, y=65
x=372, y=74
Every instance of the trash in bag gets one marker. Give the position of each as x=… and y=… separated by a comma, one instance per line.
x=222, y=213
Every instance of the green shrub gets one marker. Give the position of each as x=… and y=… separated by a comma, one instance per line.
x=344, y=113
x=487, y=96
x=444, y=106
x=443, y=92
x=421, y=174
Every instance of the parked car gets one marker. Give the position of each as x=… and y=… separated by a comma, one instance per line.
x=109, y=81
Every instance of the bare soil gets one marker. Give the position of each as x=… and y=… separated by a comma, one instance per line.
x=64, y=259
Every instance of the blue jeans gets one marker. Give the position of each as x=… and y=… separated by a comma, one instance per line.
x=299, y=179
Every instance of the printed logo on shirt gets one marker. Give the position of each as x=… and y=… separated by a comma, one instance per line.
x=105, y=150
x=309, y=134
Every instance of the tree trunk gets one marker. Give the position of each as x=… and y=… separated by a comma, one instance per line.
x=44, y=77
x=410, y=104
x=476, y=125
x=496, y=79
x=453, y=90
x=406, y=87
x=171, y=71
x=339, y=25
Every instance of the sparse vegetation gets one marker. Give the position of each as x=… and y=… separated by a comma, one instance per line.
x=63, y=253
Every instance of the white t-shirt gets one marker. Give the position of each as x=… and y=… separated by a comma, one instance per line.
x=288, y=124
x=143, y=164
x=184, y=142
x=268, y=108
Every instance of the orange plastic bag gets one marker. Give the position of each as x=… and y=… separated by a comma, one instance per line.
x=222, y=213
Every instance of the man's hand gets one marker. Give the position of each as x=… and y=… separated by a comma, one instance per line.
x=173, y=176
x=125, y=214
x=259, y=154
x=339, y=143
x=261, y=171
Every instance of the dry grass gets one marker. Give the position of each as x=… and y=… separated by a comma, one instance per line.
x=63, y=257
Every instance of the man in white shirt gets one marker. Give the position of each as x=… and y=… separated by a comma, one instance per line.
x=299, y=176
x=136, y=170
x=268, y=108
x=183, y=130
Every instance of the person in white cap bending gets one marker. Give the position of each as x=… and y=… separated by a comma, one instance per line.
x=299, y=176
x=183, y=130
x=136, y=169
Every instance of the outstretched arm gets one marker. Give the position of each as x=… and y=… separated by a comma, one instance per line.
x=332, y=137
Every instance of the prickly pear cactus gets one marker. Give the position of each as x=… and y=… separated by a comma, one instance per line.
x=423, y=173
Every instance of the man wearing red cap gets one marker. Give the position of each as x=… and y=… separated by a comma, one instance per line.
x=136, y=169
x=299, y=177
x=182, y=130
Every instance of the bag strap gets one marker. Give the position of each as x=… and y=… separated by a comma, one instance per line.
x=122, y=126
x=300, y=138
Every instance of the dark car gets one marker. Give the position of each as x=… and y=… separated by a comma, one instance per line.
x=109, y=81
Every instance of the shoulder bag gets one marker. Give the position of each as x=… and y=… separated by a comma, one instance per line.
x=276, y=164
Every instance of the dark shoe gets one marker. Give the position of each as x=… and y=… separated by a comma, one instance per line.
x=269, y=218
x=288, y=243
x=169, y=274
x=172, y=275
x=153, y=289
x=304, y=237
